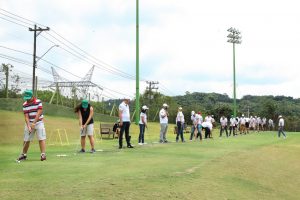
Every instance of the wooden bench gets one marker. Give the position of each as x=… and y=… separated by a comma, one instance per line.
x=106, y=129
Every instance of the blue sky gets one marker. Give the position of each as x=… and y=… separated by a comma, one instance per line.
x=182, y=43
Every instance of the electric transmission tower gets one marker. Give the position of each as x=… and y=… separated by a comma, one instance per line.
x=77, y=89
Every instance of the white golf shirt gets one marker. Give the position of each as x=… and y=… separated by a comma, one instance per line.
x=163, y=117
x=124, y=108
x=281, y=122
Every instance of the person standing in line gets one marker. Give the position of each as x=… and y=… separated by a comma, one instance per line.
x=247, y=124
x=86, y=122
x=143, y=124
x=242, y=124
x=124, y=116
x=223, y=122
x=264, y=123
x=163, y=119
x=232, y=124
x=207, y=126
x=280, y=127
x=270, y=124
x=258, y=124
x=255, y=121
x=194, y=125
x=251, y=123
x=180, y=124
x=211, y=120
x=33, y=113
x=199, y=120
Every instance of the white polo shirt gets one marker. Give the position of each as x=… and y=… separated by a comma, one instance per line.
x=281, y=122
x=180, y=117
x=163, y=117
x=145, y=118
x=223, y=121
x=207, y=125
x=124, y=108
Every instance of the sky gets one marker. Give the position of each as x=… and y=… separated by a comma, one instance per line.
x=183, y=44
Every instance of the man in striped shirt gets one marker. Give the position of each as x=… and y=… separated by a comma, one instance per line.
x=33, y=113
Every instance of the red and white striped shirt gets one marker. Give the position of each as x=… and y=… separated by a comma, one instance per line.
x=32, y=108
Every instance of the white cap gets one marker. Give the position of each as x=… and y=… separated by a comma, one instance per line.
x=179, y=108
x=126, y=98
x=279, y=116
x=193, y=112
x=145, y=107
x=242, y=115
x=165, y=105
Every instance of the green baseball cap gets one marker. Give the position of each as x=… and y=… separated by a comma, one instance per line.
x=84, y=103
x=27, y=95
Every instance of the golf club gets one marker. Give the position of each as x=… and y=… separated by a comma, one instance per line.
x=76, y=149
x=24, y=142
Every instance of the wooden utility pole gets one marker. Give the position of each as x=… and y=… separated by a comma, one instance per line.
x=39, y=29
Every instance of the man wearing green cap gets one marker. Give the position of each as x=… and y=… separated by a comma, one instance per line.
x=33, y=113
x=86, y=122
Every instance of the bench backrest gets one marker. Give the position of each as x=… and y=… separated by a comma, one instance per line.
x=106, y=128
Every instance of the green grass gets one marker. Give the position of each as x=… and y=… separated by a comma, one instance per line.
x=256, y=166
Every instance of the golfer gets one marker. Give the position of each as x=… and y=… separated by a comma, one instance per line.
x=180, y=125
x=143, y=124
x=199, y=120
x=124, y=116
x=163, y=119
x=232, y=125
x=33, y=113
x=86, y=122
x=194, y=126
x=280, y=126
x=223, y=127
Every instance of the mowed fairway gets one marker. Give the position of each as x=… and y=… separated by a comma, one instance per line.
x=256, y=166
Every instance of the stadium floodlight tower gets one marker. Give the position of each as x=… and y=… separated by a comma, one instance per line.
x=234, y=38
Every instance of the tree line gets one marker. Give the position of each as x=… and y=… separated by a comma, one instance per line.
x=207, y=103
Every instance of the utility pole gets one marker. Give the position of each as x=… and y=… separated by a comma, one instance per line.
x=36, y=83
x=152, y=86
x=35, y=34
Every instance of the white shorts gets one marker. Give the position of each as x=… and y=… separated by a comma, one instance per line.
x=39, y=130
x=88, y=130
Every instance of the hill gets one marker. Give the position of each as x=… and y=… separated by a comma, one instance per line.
x=264, y=106
x=13, y=104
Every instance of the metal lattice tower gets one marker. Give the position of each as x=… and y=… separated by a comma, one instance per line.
x=77, y=89
x=87, y=79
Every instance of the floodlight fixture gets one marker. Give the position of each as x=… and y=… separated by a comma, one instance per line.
x=234, y=38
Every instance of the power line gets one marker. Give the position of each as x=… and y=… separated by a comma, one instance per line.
x=103, y=65
x=22, y=17
x=15, y=19
x=13, y=22
x=91, y=61
x=87, y=57
x=16, y=50
x=91, y=56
